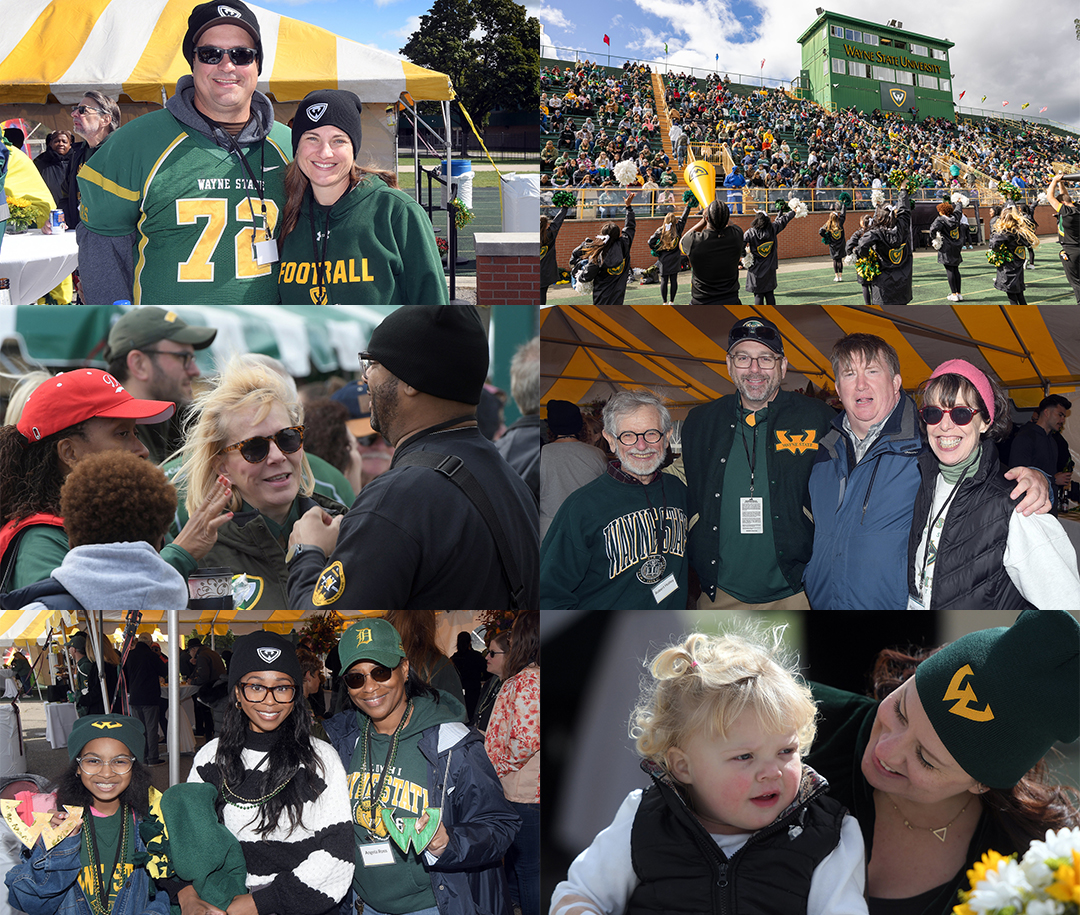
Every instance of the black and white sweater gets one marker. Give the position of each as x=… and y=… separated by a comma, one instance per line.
x=305, y=871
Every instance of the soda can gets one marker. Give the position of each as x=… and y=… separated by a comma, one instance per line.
x=56, y=219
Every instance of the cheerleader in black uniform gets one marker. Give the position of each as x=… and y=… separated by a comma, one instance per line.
x=832, y=233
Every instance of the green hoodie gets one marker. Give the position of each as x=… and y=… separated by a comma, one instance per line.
x=405, y=885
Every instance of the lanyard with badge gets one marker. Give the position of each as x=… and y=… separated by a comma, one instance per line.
x=652, y=569
x=264, y=252
x=751, y=509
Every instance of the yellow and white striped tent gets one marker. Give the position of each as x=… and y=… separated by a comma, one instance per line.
x=52, y=51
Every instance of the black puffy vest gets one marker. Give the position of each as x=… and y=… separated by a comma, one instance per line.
x=682, y=871
x=969, y=570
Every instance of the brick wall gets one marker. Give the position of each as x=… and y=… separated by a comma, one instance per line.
x=798, y=239
x=507, y=268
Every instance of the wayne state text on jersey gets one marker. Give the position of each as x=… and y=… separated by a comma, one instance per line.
x=229, y=184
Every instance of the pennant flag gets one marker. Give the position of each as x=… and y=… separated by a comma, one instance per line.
x=607, y=41
x=1022, y=107
x=962, y=94
x=984, y=98
x=718, y=61
x=1041, y=110
x=763, y=63
x=665, y=47
x=1003, y=104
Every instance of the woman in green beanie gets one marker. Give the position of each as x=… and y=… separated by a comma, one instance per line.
x=945, y=761
x=94, y=870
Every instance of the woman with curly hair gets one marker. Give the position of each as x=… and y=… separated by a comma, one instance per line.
x=945, y=760
x=947, y=233
x=111, y=786
x=604, y=260
x=281, y=793
x=66, y=419
x=1011, y=236
x=246, y=433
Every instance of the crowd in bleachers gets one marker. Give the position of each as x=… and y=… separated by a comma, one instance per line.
x=777, y=140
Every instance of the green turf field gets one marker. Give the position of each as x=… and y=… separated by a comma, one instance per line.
x=803, y=283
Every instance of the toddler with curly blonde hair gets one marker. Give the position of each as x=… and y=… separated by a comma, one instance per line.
x=733, y=820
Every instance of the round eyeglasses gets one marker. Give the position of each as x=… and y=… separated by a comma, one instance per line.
x=354, y=679
x=91, y=765
x=652, y=436
x=960, y=416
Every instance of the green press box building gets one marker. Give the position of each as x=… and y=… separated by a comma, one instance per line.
x=852, y=62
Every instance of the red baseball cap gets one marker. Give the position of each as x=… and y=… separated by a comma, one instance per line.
x=73, y=397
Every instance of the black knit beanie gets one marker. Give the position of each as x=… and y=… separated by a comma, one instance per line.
x=263, y=650
x=221, y=12
x=441, y=350
x=564, y=418
x=329, y=108
x=1000, y=698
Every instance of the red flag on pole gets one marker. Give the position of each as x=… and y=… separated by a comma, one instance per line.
x=1041, y=110
x=1004, y=103
x=763, y=63
x=962, y=94
x=607, y=41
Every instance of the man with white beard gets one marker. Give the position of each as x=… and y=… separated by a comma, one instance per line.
x=620, y=541
x=748, y=458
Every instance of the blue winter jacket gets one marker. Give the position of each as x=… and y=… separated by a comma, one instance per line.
x=44, y=883
x=862, y=516
x=467, y=878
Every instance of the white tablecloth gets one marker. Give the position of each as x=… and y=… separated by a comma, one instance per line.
x=12, y=747
x=187, y=714
x=59, y=720
x=36, y=263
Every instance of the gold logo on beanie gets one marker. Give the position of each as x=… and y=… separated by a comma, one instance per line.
x=107, y=724
x=965, y=697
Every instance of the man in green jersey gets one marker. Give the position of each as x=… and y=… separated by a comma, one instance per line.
x=180, y=207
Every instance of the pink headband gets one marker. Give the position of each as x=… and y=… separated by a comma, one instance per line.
x=966, y=370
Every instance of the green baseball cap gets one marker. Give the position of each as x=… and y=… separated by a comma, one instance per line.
x=141, y=327
x=1000, y=698
x=129, y=731
x=370, y=640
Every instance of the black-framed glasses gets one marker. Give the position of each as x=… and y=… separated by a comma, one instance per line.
x=743, y=360
x=257, y=692
x=354, y=679
x=256, y=449
x=491, y=652
x=753, y=332
x=186, y=358
x=367, y=361
x=82, y=109
x=960, y=416
x=91, y=765
x=652, y=436
x=241, y=57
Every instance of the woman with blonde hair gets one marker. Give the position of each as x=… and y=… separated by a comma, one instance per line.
x=664, y=246
x=246, y=432
x=1012, y=235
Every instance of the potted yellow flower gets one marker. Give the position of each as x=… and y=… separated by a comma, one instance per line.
x=20, y=215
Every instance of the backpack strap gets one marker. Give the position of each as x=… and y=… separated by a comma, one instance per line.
x=453, y=468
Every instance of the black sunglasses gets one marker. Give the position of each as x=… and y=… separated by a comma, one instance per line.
x=255, y=450
x=82, y=109
x=752, y=332
x=241, y=57
x=354, y=679
x=960, y=416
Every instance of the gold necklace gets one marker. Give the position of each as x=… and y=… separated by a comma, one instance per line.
x=942, y=831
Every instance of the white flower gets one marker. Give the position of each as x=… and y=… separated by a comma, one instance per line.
x=1002, y=887
x=1045, y=907
x=1056, y=846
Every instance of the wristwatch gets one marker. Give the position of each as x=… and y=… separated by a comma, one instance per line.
x=296, y=549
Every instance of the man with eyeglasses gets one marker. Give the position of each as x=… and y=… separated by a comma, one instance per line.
x=748, y=458
x=619, y=542
x=180, y=206
x=151, y=352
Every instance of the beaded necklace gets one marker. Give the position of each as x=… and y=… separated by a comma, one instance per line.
x=370, y=804
x=245, y=803
x=103, y=892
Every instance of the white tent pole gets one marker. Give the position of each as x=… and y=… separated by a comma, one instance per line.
x=451, y=255
x=173, y=736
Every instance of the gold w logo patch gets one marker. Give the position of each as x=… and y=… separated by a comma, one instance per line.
x=796, y=444
x=330, y=585
x=318, y=295
x=615, y=271
x=898, y=96
x=896, y=254
x=543, y=251
x=965, y=698
x=954, y=234
x=106, y=725
x=764, y=248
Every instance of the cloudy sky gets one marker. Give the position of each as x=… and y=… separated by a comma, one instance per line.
x=1017, y=53
x=382, y=24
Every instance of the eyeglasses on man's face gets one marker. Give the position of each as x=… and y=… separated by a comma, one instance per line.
x=241, y=57
x=185, y=358
x=743, y=360
x=82, y=109
x=652, y=436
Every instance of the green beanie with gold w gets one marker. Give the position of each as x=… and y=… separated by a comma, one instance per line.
x=1000, y=698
